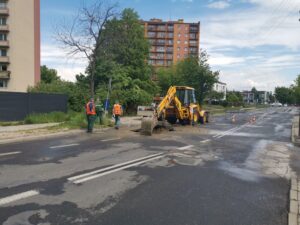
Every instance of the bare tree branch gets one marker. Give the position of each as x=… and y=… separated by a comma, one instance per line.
x=84, y=35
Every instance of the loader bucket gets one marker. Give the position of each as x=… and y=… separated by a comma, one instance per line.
x=148, y=125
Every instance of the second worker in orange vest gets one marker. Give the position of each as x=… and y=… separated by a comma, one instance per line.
x=90, y=110
x=117, y=112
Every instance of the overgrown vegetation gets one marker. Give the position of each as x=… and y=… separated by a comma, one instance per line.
x=194, y=72
x=289, y=95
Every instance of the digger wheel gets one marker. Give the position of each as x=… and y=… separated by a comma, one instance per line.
x=202, y=119
x=172, y=120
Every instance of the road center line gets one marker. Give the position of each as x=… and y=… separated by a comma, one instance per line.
x=112, y=139
x=9, y=153
x=185, y=147
x=112, y=167
x=226, y=132
x=115, y=170
x=17, y=197
x=64, y=146
x=205, y=141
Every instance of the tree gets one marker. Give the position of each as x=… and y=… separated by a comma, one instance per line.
x=196, y=72
x=48, y=75
x=123, y=60
x=256, y=94
x=234, y=98
x=214, y=95
x=285, y=95
x=84, y=36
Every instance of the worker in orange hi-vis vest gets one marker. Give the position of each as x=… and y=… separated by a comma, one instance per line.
x=117, y=112
x=90, y=110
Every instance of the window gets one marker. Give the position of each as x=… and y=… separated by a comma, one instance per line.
x=193, y=36
x=185, y=42
x=160, y=62
x=170, y=35
x=169, y=49
x=194, y=43
x=160, y=49
x=169, y=56
x=170, y=27
x=3, y=21
x=151, y=62
x=161, y=35
x=161, y=27
x=151, y=41
x=178, y=42
x=3, y=84
x=3, y=37
x=186, y=35
x=178, y=49
x=160, y=56
x=170, y=42
x=179, y=35
x=185, y=49
x=3, y=67
x=161, y=41
x=3, y=4
x=178, y=56
x=3, y=52
x=151, y=34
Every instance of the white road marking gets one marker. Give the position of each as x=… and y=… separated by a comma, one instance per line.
x=226, y=132
x=205, y=141
x=64, y=146
x=185, y=147
x=17, y=197
x=115, y=170
x=112, y=167
x=112, y=139
x=9, y=153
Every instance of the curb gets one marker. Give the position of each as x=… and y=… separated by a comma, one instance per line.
x=295, y=131
x=294, y=205
x=46, y=136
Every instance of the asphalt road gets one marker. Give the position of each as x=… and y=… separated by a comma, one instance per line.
x=222, y=173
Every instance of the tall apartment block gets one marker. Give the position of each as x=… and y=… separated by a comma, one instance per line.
x=171, y=41
x=19, y=44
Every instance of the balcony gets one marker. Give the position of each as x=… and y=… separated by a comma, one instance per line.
x=4, y=11
x=4, y=59
x=5, y=75
x=4, y=28
x=4, y=44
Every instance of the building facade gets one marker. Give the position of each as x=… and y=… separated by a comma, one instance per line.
x=171, y=41
x=19, y=44
x=221, y=88
x=261, y=97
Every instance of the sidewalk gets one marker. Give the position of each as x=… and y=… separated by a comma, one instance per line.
x=5, y=129
x=20, y=133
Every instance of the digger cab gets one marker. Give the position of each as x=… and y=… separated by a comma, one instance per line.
x=186, y=95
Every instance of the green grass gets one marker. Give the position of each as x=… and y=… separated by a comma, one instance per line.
x=70, y=120
x=53, y=117
x=11, y=123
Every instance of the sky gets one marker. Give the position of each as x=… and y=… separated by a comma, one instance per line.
x=253, y=43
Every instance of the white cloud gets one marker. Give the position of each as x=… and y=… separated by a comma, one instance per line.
x=222, y=60
x=219, y=5
x=66, y=66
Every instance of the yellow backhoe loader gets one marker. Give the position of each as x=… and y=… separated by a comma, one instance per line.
x=179, y=104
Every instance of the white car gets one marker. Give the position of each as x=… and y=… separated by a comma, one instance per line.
x=276, y=104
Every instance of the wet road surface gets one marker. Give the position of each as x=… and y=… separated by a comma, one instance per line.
x=221, y=173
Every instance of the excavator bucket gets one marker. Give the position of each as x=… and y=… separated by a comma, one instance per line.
x=148, y=125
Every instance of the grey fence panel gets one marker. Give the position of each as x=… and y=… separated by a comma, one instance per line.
x=43, y=103
x=16, y=106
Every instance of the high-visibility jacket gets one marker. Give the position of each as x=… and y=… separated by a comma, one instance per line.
x=88, y=109
x=117, y=110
